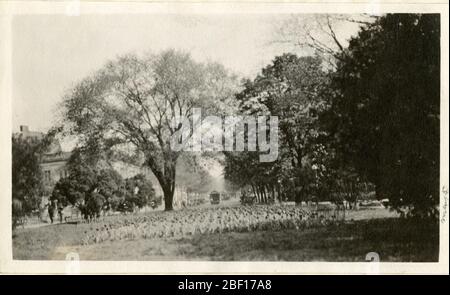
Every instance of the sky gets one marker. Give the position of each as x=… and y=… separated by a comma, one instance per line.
x=51, y=53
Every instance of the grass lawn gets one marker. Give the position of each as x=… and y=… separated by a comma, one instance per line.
x=392, y=238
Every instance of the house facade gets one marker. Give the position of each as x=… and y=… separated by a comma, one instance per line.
x=53, y=163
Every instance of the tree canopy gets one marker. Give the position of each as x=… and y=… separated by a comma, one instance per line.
x=292, y=89
x=370, y=120
x=27, y=176
x=129, y=107
x=385, y=109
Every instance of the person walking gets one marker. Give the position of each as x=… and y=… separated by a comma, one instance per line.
x=51, y=211
x=60, y=212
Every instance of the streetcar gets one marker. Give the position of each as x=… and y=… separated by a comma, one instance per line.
x=214, y=197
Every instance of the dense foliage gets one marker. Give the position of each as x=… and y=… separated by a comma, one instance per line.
x=27, y=176
x=291, y=88
x=385, y=111
x=93, y=189
x=369, y=123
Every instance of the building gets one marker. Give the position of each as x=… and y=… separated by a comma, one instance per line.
x=53, y=162
x=54, y=165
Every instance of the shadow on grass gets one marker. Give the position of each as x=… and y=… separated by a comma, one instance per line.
x=393, y=239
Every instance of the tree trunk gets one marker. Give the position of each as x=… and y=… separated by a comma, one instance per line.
x=168, y=197
x=168, y=186
x=271, y=192
x=254, y=192
x=258, y=193
x=264, y=194
x=280, y=197
x=166, y=178
x=261, y=193
x=298, y=195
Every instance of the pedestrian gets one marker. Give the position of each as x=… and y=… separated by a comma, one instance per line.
x=60, y=212
x=51, y=211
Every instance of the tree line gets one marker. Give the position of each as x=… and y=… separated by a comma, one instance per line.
x=370, y=122
x=97, y=187
x=367, y=121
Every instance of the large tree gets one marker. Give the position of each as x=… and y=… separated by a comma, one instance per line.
x=291, y=88
x=326, y=35
x=27, y=176
x=140, y=191
x=129, y=105
x=385, y=111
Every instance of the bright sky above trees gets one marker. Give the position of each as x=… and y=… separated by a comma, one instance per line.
x=51, y=53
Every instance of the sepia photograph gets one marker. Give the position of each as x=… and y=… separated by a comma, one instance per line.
x=171, y=135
